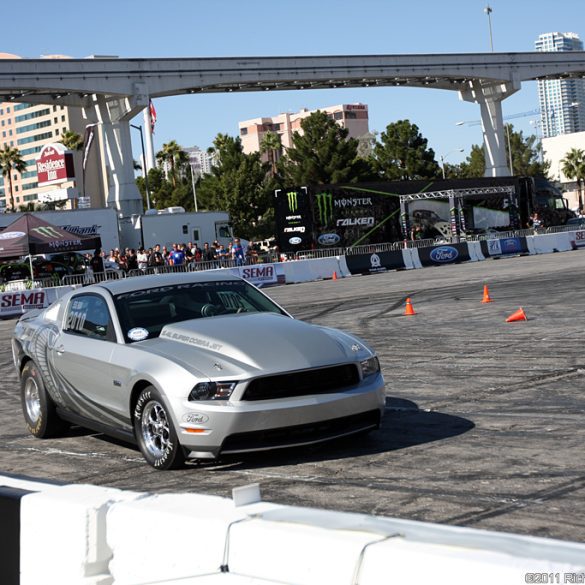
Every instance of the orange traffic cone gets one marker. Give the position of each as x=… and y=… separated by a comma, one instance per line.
x=518, y=315
x=334, y=277
x=486, y=295
x=409, y=308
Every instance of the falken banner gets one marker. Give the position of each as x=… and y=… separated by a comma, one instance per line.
x=294, y=224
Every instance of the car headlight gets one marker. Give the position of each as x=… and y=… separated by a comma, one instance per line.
x=212, y=391
x=370, y=366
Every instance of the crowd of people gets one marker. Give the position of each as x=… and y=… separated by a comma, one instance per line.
x=235, y=254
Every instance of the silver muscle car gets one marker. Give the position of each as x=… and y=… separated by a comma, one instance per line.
x=191, y=365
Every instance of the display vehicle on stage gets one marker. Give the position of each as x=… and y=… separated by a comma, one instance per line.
x=192, y=366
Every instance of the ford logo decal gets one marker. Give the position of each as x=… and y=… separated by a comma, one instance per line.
x=328, y=239
x=295, y=241
x=444, y=254
x=195, y=418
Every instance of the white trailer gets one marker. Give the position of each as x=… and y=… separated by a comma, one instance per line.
x=177, y=228
x=85, y=222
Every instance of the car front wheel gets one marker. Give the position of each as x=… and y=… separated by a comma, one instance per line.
x=37, y=406
x=155, y=431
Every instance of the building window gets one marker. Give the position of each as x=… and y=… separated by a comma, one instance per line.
x=276, y=127
x=243, y=131
x=350, y=115
x=338, y=116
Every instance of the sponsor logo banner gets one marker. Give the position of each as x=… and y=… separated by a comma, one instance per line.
x=375, y=262
x=328, y=239
x=438, y=255
x=502, y=246
x=54, y=165
x=259, y=274
x=580, y=239
x=324, y=207
x=21, y=301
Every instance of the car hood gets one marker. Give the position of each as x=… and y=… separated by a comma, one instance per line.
x=244, y=345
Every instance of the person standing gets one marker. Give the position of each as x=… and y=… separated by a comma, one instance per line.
x=142, y=258
x=238, y=253
x=177, y=256
x=97, y=262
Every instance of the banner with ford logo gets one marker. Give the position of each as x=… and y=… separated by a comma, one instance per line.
x=375, y=262
x=444, y=254
x=503, y=246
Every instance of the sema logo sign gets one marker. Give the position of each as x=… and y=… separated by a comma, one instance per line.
x=259, y=274
x=22, y=300
x=55, y=165
x=444, y=254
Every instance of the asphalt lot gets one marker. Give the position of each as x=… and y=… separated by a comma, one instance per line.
x=485, y=422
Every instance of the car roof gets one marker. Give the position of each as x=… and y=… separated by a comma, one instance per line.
x=125, y=285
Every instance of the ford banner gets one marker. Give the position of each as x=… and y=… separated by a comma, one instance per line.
x=444, y=254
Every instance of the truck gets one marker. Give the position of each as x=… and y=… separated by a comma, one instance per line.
x=183, y=227
x=348, y=215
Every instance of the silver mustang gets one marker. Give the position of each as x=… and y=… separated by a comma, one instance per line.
x=191, y=366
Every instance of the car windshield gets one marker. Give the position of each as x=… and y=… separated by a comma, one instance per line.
x=143, y=313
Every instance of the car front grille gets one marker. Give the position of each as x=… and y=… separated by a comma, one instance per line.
x=320, y=381
x=301, y=434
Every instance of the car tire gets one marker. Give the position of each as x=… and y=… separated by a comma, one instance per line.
x=155, y=432
x=39, y=410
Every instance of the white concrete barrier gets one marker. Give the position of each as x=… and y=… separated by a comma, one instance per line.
x=475, y=252
x=86, y=535
x=314, y=269
x=549, y=243
x=171, y=536
x=63, y=535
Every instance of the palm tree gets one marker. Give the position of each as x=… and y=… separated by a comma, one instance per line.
x=574, y=168
x=174, y=156
x=71, y=140
x=11, y=160
x=271, y=144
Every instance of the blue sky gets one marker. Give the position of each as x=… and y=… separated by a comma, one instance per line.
x=207, y=28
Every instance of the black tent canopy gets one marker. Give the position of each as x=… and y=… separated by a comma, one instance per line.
x=30, y=234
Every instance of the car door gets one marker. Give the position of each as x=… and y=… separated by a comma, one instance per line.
x=81, y=355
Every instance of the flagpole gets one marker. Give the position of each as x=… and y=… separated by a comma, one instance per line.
x=148, y=123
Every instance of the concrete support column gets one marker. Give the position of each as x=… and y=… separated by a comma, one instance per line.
x=114, y=115
x=489, y=97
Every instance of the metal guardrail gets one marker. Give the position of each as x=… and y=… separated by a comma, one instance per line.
x=270, y=257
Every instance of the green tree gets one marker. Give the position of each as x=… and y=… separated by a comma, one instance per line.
x=272, y=145
x=321, y=154
x=239, y=184
x=526, y=156
x=11, y=161
x=174, y=157
x=474, y=164
x=403, y=153
x=574, y=168
x=71, y=140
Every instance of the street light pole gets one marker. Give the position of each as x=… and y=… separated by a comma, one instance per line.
x=488, y=10
x=507, y=126
x=443, y=160
x=144, y=171
x=193, y=185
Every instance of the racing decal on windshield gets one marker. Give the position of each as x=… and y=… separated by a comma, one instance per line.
x=165, y=289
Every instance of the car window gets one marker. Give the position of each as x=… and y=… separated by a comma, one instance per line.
x=143, y=313
x=88, y=315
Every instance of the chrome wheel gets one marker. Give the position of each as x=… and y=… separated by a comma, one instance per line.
x=155, y=429
x=32, y=400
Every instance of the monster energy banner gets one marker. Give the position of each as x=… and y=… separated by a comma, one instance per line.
x=293, y=220
x=31, y=235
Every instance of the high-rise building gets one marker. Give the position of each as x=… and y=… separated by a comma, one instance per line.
x=29, y=127
x=562, y=101
x=201, y=161
x=354, y=117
